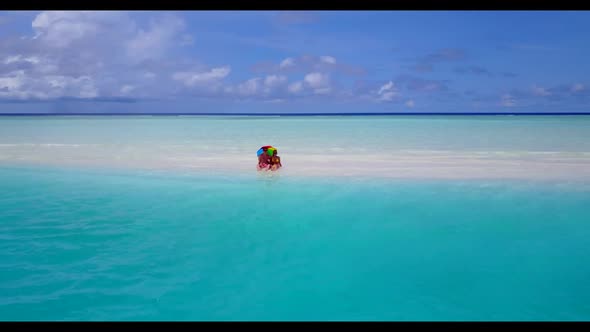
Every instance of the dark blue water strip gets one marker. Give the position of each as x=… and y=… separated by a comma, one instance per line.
x=295, y=114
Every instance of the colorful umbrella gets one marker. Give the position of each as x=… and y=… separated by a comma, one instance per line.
x=263, y=149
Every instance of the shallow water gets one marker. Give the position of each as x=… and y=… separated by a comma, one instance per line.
x=482, y=147
x=381, y=218
x=96, y=245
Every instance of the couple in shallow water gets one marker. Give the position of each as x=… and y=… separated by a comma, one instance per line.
x=268, y=159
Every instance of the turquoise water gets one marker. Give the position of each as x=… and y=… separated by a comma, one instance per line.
x=306, y=134
x=372, y=218
x=81, y=244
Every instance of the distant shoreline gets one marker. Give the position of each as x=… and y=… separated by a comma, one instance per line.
x=300, y=114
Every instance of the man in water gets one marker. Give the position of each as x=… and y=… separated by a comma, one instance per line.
x=275, y=161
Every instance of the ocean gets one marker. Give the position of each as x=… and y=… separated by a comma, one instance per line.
x=379, y=218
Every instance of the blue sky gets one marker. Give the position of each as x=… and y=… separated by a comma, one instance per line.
x=268, y=61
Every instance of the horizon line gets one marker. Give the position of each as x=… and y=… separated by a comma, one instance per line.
x=293, y=114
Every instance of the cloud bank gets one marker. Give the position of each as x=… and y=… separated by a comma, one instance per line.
x=108, y=56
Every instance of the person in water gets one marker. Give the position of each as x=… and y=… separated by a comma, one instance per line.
x=275, y=161
x=263, y=161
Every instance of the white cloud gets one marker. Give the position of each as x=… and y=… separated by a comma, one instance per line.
x=318, y=82
x=258, y=86
x=190, y=78
x=386, y=87
x=250, y=87
x=59, y=29
x=310, y=63
x=20, y=59
x=578, y=87
x=18, y=85
x=109, y=33
x=539, y=91
x=126, y=89
x=87, y=54
x=275, y=101
x=410, y=103
x=288, y=62
x=507, y=100
x=328, y=59
x=295, y=87
x=153, y=43
x=57, y=82
x=65, y=86
x=92, y=54
x=387, y=92
x=272, y=81
x=314, y=79
x=12, y=82
x=32, y=59
x=12, y=59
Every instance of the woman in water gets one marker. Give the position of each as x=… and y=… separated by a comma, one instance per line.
x=263, y=161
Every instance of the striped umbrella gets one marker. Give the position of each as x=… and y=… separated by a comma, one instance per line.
x=264, y=149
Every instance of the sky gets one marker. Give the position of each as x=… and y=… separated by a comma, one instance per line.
x=300, y=61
